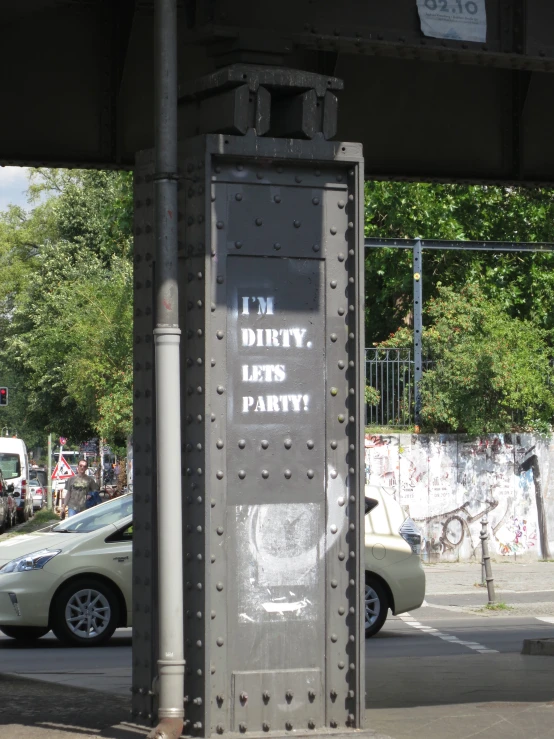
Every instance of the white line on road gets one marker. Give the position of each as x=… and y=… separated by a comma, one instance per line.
x=473, y=645
x=547, y=619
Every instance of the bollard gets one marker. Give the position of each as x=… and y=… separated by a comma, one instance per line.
x=487, y=560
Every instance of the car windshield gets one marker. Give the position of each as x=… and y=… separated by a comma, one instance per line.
x=97, y=517
x=10, y=465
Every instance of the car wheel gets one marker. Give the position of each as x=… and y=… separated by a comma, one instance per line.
x=25, y=633
x=376, y=605
x=85, y=613
x=3, y=524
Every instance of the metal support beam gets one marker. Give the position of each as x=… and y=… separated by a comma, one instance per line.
x=438, y=245
x=417, y=269
x=168, y=417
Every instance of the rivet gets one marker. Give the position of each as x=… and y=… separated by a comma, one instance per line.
x=351, y=308
x=288, y=726
x=351, y=694
x=341, y=610
x=351, y=280
x=220, y=530
x=351, y=471
x=352, y=391
x=351, y=252
x=333, y=230
x=310, y=474
x=212, y=502
x=351, y=419
x=341, y=501
x=264, y=444
x=219, y=334
x=341, y=257
x=341, y=364
x=297, y=224
x=288, y=474
x=199, y=586
x=334, y=529
x=276, y=246
x=333, y=337
x=219, y=444
x=334, y=444
x=242, y=474
x=242, y=443
x=315, y=247
x=315, y=201
x=199, y=333
x=265, y=726
x=334, y=474
x=220, y=389
x=351, y=363
x=334, y=391
x=341, y=203
x=341, y=665
x=334, y=583
x=352, y=610
x=259, y=221
x=289, y=695
x=199, y=529
x=238, y=244
x=341, y=555
x=219, y=586
x=277, y=198
x=288, y=443
x=219, y=641
x=298, y=178
x=242, y=728
x=333, y=284
x=220, y=225
x=351, y=335
x=213, y=307
x=220, y=280
x=220, y=729
x=333, y=692
x=334, y=638
x=340, y=418
x=238, y=196
x=333, y=723
x=266, y=695
x=352, y=666
x=310, y=444
x=240, y=167
x=352, y=499
x=311, y=694
x=265, y=474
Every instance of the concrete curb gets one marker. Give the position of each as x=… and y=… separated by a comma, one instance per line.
x=538, y=647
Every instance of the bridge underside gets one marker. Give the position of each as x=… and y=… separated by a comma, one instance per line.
x=77, y=79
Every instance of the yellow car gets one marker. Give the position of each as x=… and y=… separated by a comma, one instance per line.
x=73, y=577
x=394, y=576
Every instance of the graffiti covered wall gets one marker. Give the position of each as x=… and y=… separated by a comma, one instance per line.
x=448, y=482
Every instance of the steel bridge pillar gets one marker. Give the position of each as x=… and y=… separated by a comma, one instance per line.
x=272, y=392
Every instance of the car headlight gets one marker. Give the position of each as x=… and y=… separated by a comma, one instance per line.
x=411, y=534
x=33, y=561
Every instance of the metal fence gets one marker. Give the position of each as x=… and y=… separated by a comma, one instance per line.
x=391, y=373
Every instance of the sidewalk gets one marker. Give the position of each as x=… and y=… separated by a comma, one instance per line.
x=527, y=588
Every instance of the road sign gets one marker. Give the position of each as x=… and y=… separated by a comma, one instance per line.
x=63, y=441
x=62, y=470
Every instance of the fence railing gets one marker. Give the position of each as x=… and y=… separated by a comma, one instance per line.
x=391, y=373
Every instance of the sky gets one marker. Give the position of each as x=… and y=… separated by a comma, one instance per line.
x=13, y=185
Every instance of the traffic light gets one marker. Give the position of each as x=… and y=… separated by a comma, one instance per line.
x=3, y=396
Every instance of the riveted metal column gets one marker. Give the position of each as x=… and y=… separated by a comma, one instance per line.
x=417, y=265
x=167, y=340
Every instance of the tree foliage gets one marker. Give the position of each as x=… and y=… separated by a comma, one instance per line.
x=67, y=307
x=523, y=283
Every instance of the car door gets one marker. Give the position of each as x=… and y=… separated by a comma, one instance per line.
x=119, y=552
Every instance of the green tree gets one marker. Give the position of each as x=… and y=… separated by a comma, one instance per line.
x=69, y=321
x=523, y=283
x=491, y=372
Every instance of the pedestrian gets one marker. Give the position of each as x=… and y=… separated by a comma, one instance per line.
x=79, y=489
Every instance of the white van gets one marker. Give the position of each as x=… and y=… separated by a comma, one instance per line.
x=14, y=464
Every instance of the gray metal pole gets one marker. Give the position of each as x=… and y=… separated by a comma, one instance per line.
x=171, y=668
x=487, y=560
x=417, y=264
x=49, y=473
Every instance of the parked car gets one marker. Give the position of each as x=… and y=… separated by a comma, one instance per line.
x=394, y=576
x=40, y=474
x=73, y=577
x=38, y=494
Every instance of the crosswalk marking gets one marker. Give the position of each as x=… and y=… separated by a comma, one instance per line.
x=473, y=645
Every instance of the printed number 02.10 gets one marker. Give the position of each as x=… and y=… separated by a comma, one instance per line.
x=470, y=7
